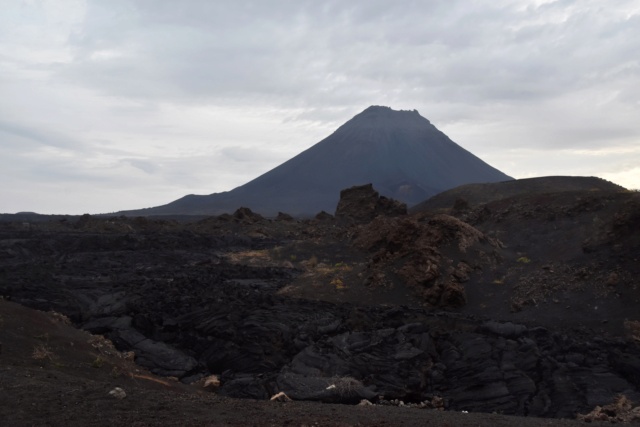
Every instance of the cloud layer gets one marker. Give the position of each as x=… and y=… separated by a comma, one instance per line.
x=127, y=104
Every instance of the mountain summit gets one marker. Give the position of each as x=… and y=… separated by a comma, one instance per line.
x=401, y=153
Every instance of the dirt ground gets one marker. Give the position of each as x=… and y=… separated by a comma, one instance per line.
x=52, y=374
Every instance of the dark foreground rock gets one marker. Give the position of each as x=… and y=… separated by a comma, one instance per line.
x=362, y=203
x=82, y=382
x=186, y=311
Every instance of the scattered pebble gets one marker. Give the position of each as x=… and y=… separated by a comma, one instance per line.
x=118, y=393
x=281, y=397
x=211, y=383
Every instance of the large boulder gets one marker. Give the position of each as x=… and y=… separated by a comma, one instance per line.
x=246, y=216
x=337, y=389
x=362, y=204
x=158, y=357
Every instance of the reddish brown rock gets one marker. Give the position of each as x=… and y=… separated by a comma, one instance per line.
x=427, y=253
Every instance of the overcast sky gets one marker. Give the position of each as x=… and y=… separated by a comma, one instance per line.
x=108, y=105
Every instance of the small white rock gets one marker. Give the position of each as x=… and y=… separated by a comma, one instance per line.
x=118, y=393
x=211, y=382
x=281, y=397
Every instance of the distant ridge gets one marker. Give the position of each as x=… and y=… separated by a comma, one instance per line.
x=400, y=152
x=476, y=194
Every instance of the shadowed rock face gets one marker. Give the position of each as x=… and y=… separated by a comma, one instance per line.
x=363, y=203
x=400, y=152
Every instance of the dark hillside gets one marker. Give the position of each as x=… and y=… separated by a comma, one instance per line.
x=476, y=194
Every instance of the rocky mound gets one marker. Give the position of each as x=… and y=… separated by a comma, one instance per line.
x=620, y=411
x=434, y=255
x=362, y=203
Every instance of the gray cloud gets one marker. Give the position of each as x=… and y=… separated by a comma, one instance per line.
x=37, y=135
x=180, y=94
x=303, y=53
x=143, y=165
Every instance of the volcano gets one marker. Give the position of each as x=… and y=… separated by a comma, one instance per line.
x=401, y=153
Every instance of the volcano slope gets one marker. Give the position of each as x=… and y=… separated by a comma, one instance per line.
x=402, y=153
x=431, y=309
